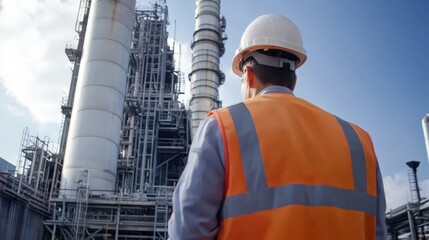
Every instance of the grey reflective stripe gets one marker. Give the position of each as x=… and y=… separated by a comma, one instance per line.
x=298, y=194
x=253, y=166
x=357, y=155
x=380, y=229
x=260, y=197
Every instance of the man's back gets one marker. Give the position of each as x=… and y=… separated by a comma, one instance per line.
x=297, y=168
x=275, y=166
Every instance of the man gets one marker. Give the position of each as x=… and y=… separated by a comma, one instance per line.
x=276, y=166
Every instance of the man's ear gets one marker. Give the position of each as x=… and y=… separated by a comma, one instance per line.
x=250, y=76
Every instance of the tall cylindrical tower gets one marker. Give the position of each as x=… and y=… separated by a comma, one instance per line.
x=93, y=140
x=425, y=123
x=207, y=48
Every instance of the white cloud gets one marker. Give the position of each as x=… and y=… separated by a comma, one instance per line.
x=397, y=190
x=32, y=60
x=14, y=111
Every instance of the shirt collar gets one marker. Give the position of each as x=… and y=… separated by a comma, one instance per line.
x=275, y=89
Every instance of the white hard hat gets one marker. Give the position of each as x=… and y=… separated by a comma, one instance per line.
x=268, y=32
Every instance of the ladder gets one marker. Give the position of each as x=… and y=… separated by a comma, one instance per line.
x=413, y=186
x=161, y=215
x=81, y=204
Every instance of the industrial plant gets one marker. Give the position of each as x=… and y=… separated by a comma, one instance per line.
x=411, y=220
x=126, y=134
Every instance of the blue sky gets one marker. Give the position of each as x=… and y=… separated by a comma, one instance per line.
x=366, y=63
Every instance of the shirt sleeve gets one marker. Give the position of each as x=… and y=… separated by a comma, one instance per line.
x=380, y=230
x=199, y=193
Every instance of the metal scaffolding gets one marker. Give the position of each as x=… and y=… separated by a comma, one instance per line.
x=36, y=168
x=24, y=194
x=154, y=142
x=153, y=147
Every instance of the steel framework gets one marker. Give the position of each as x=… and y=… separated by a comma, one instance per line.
x=153, y=147
x=155, y=139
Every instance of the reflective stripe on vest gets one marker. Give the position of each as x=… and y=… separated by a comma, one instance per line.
x=260, y=197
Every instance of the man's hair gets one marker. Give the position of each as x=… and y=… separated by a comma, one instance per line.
x=276, y=76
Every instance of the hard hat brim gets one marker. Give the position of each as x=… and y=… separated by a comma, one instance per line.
x=240, y=54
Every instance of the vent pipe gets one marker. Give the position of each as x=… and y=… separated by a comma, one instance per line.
x=414, y=184
x=93, y=140
x=207, y=48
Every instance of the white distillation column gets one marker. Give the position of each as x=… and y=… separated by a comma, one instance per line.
x=93, y=140
x=425, y=123
x=207, y=48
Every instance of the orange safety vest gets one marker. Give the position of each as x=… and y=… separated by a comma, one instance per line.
x=295, y=171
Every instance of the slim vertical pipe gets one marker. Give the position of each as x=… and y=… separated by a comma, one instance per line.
x=413, y=229
x=53, y=237
x=25, y=221
x=94, y=135
x=39, y=167
x=118, y=217
x=33, y=162
x=11, y=220
x=54, y=179
x=425, y=124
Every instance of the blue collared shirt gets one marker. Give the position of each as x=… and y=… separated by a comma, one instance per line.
x=199, y=194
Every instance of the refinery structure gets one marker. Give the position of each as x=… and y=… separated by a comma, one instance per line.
x=125, y=134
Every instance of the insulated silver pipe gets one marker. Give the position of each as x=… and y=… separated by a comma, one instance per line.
x=425, y=123
x=207, y=48
x=93, y=140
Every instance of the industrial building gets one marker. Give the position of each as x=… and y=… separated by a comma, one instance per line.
x=411, y=220
x=5, y=166
x=125, y=134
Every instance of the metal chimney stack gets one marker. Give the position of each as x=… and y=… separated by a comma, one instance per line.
x=425, y=123
x=207, y=48
x=414, y=184
x=93, y=140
